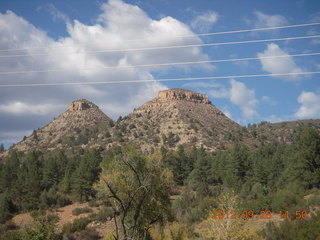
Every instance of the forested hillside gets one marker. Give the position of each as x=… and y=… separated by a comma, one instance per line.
x=177, y=189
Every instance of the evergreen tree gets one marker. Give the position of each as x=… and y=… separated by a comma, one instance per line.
x=9, y=172
x=201, y=173
x=29, y=179
x=1, y=147
x=86, y=175
x=6, y=207
x=308, y=144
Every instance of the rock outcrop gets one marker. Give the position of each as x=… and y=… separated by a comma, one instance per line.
x=80, y=105
x=181, y=94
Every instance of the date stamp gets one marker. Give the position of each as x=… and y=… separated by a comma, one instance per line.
x=219, y=214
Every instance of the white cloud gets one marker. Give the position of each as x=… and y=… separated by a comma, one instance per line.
x=25, y=108
x=315, y=17
x=273, y=119
x=244, y=98
x=220, y=92
x=118, y=23
x=227, y=113
x=315, y=41
x=211, y=88
x=310, y=107
x=13, y=136
x=278, y=65
x=265, y=20
x=204, y=22
x=269, y=100
x=238, y=94
x=57, y=14
x=209, y=84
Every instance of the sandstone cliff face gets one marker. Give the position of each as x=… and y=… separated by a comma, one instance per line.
x=181, y=94
x=80, y=105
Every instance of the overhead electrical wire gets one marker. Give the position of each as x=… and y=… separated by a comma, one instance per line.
x=167, y=64
x=182, y=36
x=171, y=47
x=156, y=80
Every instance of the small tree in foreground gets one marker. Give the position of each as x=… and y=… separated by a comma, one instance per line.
x=137, y=187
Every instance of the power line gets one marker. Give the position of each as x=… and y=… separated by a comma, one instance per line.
x=156, y=80
x=168, y=64
x=182, y=36
x=173, y=47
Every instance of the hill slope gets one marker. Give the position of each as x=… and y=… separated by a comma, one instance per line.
x=82, y=121
x=179, y=116
x=173, y=117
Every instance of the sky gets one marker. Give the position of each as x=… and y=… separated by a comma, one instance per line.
x=68, y=42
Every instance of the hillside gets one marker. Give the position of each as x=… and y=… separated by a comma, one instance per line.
x=282, y=131
x=180, y=116
x=175, y=183
x=78, y=125
x=173, y=117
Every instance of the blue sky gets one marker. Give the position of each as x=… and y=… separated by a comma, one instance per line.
x=65, y=32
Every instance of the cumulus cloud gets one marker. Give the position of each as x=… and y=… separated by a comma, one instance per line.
x=265, y=20
x=115, y=26
x=269, y=100
x=238, y=93
x=310, y=107
x=56, y=13
x=278, y=65
x=226, y=111
x=204, y=22
x=23, y=108
x=244, y=98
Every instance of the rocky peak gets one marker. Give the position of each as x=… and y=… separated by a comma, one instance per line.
x=80, y=105
x=181, y=94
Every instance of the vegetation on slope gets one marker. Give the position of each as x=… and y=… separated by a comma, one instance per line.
x=137, y=186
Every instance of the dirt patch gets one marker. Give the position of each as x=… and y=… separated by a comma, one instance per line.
x=23, y=220
x=65, y=216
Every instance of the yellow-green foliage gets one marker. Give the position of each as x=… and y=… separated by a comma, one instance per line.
x=172, y=231
x=138, y=187
x=225, y=228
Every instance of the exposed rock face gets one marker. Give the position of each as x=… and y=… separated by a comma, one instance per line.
x=181, y=94
x=80, y=105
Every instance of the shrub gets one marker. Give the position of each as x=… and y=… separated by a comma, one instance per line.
x=296, y=229
x=78, y=211
x=104, y=215
x=79, y=224
x=88, y=234
x=94, y=203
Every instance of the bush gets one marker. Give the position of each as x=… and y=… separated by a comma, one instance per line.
x=8, y=226
x=11, y=235
x=94, y=203
x=296, y=229
x=78, y=211
x=104, y=215
x=80, y=224
x=44, y=229
x=88, y=234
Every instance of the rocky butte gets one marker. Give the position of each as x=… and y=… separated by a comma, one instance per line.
x=181, y=94
x=80, y=105
x=73, y=127
x=175, y=116
x=180, y=116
